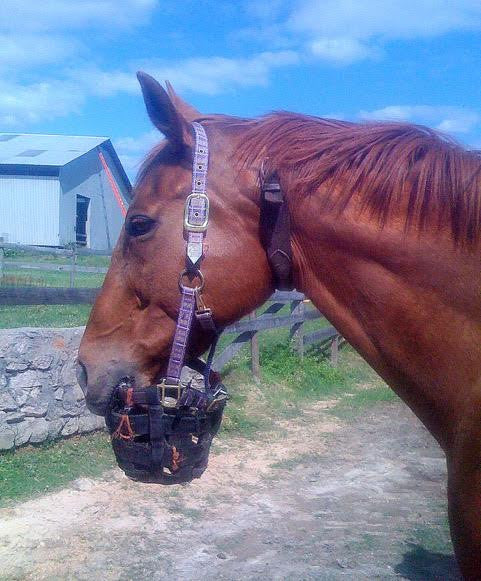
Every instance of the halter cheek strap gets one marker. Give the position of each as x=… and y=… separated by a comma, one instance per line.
x=196, y=220
x=275, y=229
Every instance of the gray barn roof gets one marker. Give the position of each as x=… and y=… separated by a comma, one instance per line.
x=53, y=150
x=44, y=154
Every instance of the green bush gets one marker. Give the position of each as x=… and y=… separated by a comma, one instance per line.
x=311, y=376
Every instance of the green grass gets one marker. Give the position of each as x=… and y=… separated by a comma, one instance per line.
x=349, y=406
x=291, y=463
x=289, y=384
x=44, y=316
x=25, y=256
x=30, y=471
x=435, y=536
x=48, y=315
x=238, y=419
x=180, y=509
x=21, y=277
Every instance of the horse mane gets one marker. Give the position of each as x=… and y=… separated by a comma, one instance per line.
x=387, y=166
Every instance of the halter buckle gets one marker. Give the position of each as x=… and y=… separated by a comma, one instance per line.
x=169, y=393
x=196, y=213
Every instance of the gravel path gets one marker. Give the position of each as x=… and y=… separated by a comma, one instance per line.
x=320, y=499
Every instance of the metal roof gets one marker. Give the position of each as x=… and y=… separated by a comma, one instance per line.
x=45, y=150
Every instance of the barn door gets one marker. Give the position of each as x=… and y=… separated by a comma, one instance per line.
x=82, y=219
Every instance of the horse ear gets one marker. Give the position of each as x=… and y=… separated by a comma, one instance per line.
x=163, y=113
x=187, y=111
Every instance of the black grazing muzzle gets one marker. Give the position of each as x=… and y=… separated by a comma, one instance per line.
x=162, y=433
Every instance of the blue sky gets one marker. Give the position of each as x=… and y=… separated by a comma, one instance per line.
x=69, y=67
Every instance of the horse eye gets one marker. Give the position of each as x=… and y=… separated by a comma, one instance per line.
x=139, y=225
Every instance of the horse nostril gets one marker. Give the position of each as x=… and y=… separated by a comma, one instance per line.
x=82, y=376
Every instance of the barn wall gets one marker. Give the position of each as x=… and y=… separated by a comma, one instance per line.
x=29, y=209
x=85, y=176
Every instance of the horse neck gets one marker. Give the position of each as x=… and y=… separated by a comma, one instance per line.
x=409, y=304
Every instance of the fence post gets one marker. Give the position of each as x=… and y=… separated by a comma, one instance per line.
x=335, y=351
x=296, y=332
x=255, y=363
x=73, y=265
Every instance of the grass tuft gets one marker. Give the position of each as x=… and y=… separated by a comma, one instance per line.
x=44, y=316
x=237, y=418
x=352, y=404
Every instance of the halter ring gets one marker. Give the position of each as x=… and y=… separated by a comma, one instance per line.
x=198, y=274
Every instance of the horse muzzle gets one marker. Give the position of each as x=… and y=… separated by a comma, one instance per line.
x=162, y=433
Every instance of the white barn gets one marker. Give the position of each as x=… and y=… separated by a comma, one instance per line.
x=60, y=189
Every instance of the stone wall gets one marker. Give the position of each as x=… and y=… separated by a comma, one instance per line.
x=40, y=398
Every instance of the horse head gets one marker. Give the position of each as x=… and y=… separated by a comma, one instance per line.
x=131, y=327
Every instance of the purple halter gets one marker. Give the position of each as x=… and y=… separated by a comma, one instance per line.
x=196, y=220
x=162, y=433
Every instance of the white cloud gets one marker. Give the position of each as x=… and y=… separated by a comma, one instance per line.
x=142, y=143
x=208, y=75
x=31, y=50
x=384, y=18
x=444, y=118
x=38, y=101
x=341, y=50
x=50, y=32
x=61, y=15
x=132, y=150
x=47, y=32
x=219, y=74
x=23, y=103
x=345, y=31
x=338, y=31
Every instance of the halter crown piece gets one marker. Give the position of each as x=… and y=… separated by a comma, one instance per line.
x=163, y=432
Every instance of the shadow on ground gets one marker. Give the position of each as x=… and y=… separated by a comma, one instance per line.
x=418, y=564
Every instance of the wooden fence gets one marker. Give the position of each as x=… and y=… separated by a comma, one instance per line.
x=71, y=255
x=245, y=331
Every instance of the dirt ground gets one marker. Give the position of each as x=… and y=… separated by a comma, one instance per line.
x=320, y=499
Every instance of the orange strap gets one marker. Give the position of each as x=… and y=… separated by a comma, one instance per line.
x=124, y=424
x=113, y=185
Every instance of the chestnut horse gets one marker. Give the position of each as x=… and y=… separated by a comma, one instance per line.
x=385, y=223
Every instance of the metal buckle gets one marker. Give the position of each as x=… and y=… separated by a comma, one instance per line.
x=220, y=396
x=196, y=227
x=169, y=393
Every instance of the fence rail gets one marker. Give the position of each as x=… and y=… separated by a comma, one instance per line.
x=54, y=250
x=244, y=331
x=37, y=295
x=9, y=264
x=14, y=265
